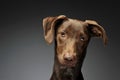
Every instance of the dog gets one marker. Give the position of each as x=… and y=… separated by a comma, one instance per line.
x=71, y=37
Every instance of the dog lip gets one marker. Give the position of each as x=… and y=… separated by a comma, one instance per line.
x=69, y=64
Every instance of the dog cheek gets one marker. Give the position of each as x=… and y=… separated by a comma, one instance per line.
x=60, y=58
x=59, y=50
x=60, y=53
x=60, y=42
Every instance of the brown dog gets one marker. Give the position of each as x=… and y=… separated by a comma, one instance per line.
x=71, y=40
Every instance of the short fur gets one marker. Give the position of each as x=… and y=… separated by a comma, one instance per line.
x=71, y=40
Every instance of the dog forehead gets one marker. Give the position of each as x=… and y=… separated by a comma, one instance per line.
x=75, y=24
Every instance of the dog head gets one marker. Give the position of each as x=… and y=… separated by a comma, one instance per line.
x=72, y=37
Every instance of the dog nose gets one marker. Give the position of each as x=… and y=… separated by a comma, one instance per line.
x=68, y=57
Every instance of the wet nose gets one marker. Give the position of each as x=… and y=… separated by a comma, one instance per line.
x=68, y=57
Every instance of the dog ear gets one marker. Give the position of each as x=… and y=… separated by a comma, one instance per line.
x=96, y=30
x=49, y=24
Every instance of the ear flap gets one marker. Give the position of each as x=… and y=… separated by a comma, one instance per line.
x=49, y=24
x=96, y=30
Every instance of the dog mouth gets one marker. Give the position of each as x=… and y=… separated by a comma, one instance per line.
x=69, y=64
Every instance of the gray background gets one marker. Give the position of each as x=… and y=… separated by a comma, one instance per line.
x=24, y=55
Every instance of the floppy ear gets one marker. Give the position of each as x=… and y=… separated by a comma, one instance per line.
x=49, y=24
x=96, y=30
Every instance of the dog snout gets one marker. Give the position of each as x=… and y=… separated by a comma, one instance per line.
x=69, y=57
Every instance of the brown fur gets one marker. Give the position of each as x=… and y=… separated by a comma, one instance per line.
x=71, y=40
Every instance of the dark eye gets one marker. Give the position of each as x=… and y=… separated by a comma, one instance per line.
x=63, y=34
x=82, y=38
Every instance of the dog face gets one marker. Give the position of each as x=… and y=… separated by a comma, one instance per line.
x=72, y=37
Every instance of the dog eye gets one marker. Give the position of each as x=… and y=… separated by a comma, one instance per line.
x=82, y=38
x=63, y=34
